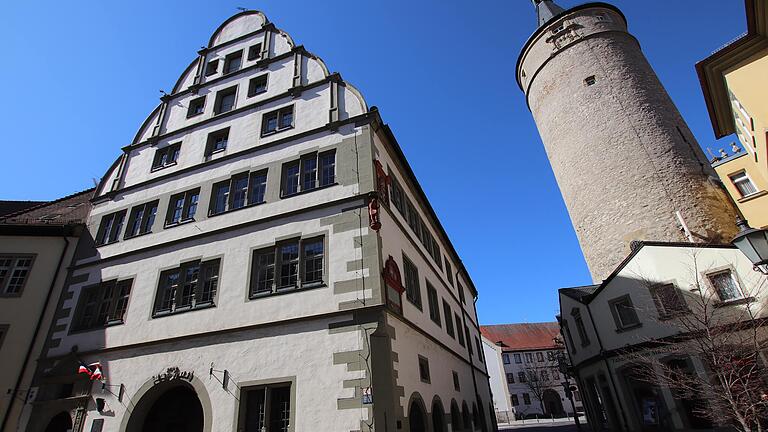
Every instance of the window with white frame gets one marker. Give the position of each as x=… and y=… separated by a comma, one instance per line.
x=308, y=173
x=182, y=207
x=505, y=358
x=14, y=272
x=743, y=183
x=290, y=264
x=166, y=156
x=726, y=285
x=192, y=285
x=110, y=227
x=241, y=190
x=276, y=121
x=518, y=358
x=141, y=219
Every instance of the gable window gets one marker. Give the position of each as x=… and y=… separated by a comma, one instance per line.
x=254, y=52
x=257, y=85
x=103, y=304
x=448, y=313
x=510, y=378
x=225, y=100
x=576, y=313
x=191, y=285
x=304, y=175
x=725, y=285
x=110, y=227
x=456, y=385
x=182, y=207
x=668, y=299
x=241, y=190
x=424, y=369
x=166, y=156
x=217, y=141
x=276, y=121
x=14, y=271
x=233, y=61
x=518, y=358
x=212, y=67
x=743, y=183
x=266, y=408
x=434, y=307
x=141, y=220
x=412, y=289
x=449, y=271
x=196, y=107
x=515, y=401
x=459, y=333
x=288, y=265
x=624, y=313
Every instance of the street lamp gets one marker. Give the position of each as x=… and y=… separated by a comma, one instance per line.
x=754, y=244
x=565, y=369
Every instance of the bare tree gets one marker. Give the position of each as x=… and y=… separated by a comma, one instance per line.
x=720, y=321
x=539, y=378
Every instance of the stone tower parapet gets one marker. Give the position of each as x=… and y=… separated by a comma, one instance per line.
x=626, y=162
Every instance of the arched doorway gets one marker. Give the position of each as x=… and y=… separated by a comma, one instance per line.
x=417, y=419
x=552, y=403
x=438, y=416
x=168, y=409
x=455, y=416
x=62, y=422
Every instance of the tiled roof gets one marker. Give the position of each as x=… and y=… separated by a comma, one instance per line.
x=71, y=209
x=522, y=337
x=8, y=207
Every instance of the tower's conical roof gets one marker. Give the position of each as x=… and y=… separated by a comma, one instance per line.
x=546, y=10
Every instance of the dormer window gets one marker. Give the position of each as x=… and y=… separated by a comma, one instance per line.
x=232, y=62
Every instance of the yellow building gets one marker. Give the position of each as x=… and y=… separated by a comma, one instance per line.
x=734, y=80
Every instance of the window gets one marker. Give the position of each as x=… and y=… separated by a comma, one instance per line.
x=254, y=51
x=529, y=357
x=743, y=183
x=424, y=369
x=14, y=271
x=412, y=289
x=196, y=107
x=212, y=67
x=505, y=358
x=141, y=220
x=266, y=408
x=544, y=375
x=4, y=331
x=576, y=313
x=461, y=292
x=434, y=306
x=103, y=304
x=590, y=80
x=624, y=313
x=725, y=285
x=182, y=207
x=515, y=401
x=225, y=100
x=521, y=377
x=559, y=28
x=459, y=333
x=398, y=196
x=510, y=378
x=241, y=190
x=257, y=85
x=668, y=299
x=166, y=156
x=277, y=121
x=602, y=17
x=540, y=356
x=287, y=265
x=232, y=62
x=555, y=374
x=110, y=227
x=304, y=175
x=217, y=141
x=526, y=398
x=550, y=355
x=448, y=313
x=479, y=348
x=449, y=271
x=469, y=339
x=456, y=385
x=191, y=285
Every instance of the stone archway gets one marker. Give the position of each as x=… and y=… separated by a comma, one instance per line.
x=61, y=422
x=417, y=418
x=168, y=407
x=552, y=403
x=438, y=416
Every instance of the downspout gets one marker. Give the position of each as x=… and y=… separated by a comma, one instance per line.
x=469, y=342
x=608, y=368
x=34, y=336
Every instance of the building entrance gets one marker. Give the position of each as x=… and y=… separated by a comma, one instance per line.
x=175, y=409
x=416, y=418
x=61, y=423
x=552, y=403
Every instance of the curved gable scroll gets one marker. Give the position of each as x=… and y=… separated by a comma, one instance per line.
x=237, y=25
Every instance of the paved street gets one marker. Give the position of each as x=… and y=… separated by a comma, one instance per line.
x=544, y=427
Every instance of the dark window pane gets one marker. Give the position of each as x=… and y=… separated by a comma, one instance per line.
x=291, y=180
x=280, y=409
x=309, y=173
x=210, y=272
x=327, y=168
x=258, y=188
x=177, y=207
x=220, y=197
x=270, y=123
x=239, y=192
x=286, y=118
x=265, y=271
x=191, y=205
x=189, y=285
x=289, y=265
x=313, y=261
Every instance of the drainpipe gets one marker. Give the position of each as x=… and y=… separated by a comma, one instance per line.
x=608, y=368
x=34, y=335
x=469, y=342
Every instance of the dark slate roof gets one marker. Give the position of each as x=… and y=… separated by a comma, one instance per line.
x=577, y=293
x=523, y=336
x=546, y=10
x=71, y=209
x=8, y=207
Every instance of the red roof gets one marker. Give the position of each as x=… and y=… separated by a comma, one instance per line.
x=522, y=337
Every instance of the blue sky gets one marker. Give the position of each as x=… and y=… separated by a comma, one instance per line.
x=80, y=77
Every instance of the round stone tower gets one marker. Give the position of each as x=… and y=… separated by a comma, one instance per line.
x=626, y=163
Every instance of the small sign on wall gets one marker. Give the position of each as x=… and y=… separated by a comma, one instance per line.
x=367, y=396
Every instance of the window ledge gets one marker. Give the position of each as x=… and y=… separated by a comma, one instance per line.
x=10, y=295
x=752, y=196
x=281, y=291
x=137, y=235
x=162, y=167
x=673, y=315
x=250, y=95
x=183, y=310
x=211, y=214
x=100, y=327
x=189, y=116
x=283, y=196
x=179, y=223
x=735, y=302
x=108, y=243
x=277, y=131
x=629, y=328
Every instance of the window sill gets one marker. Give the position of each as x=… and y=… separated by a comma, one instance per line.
x=179, y=223
x=752, y=196
x=213, y=152
x=183, y=310
x=162, y=167
x=417, y=306
x=277, y=131
x=288, y=290
x=212, y=214
x=673, y=315
x=127, y=237
x=735, y=302
x=108, y=243
x=629, y=328
x=283, y=196
x=257, y=93
x=10, y=295
x=101, y=327
x=189, y=116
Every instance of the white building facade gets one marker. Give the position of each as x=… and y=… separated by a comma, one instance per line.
x=263, y=260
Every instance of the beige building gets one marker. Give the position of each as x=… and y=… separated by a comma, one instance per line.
x=733, y=80
x=37, y=243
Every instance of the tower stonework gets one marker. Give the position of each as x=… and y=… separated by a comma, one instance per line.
x=627, y=164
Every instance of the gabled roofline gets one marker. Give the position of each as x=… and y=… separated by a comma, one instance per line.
x=46, y=203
